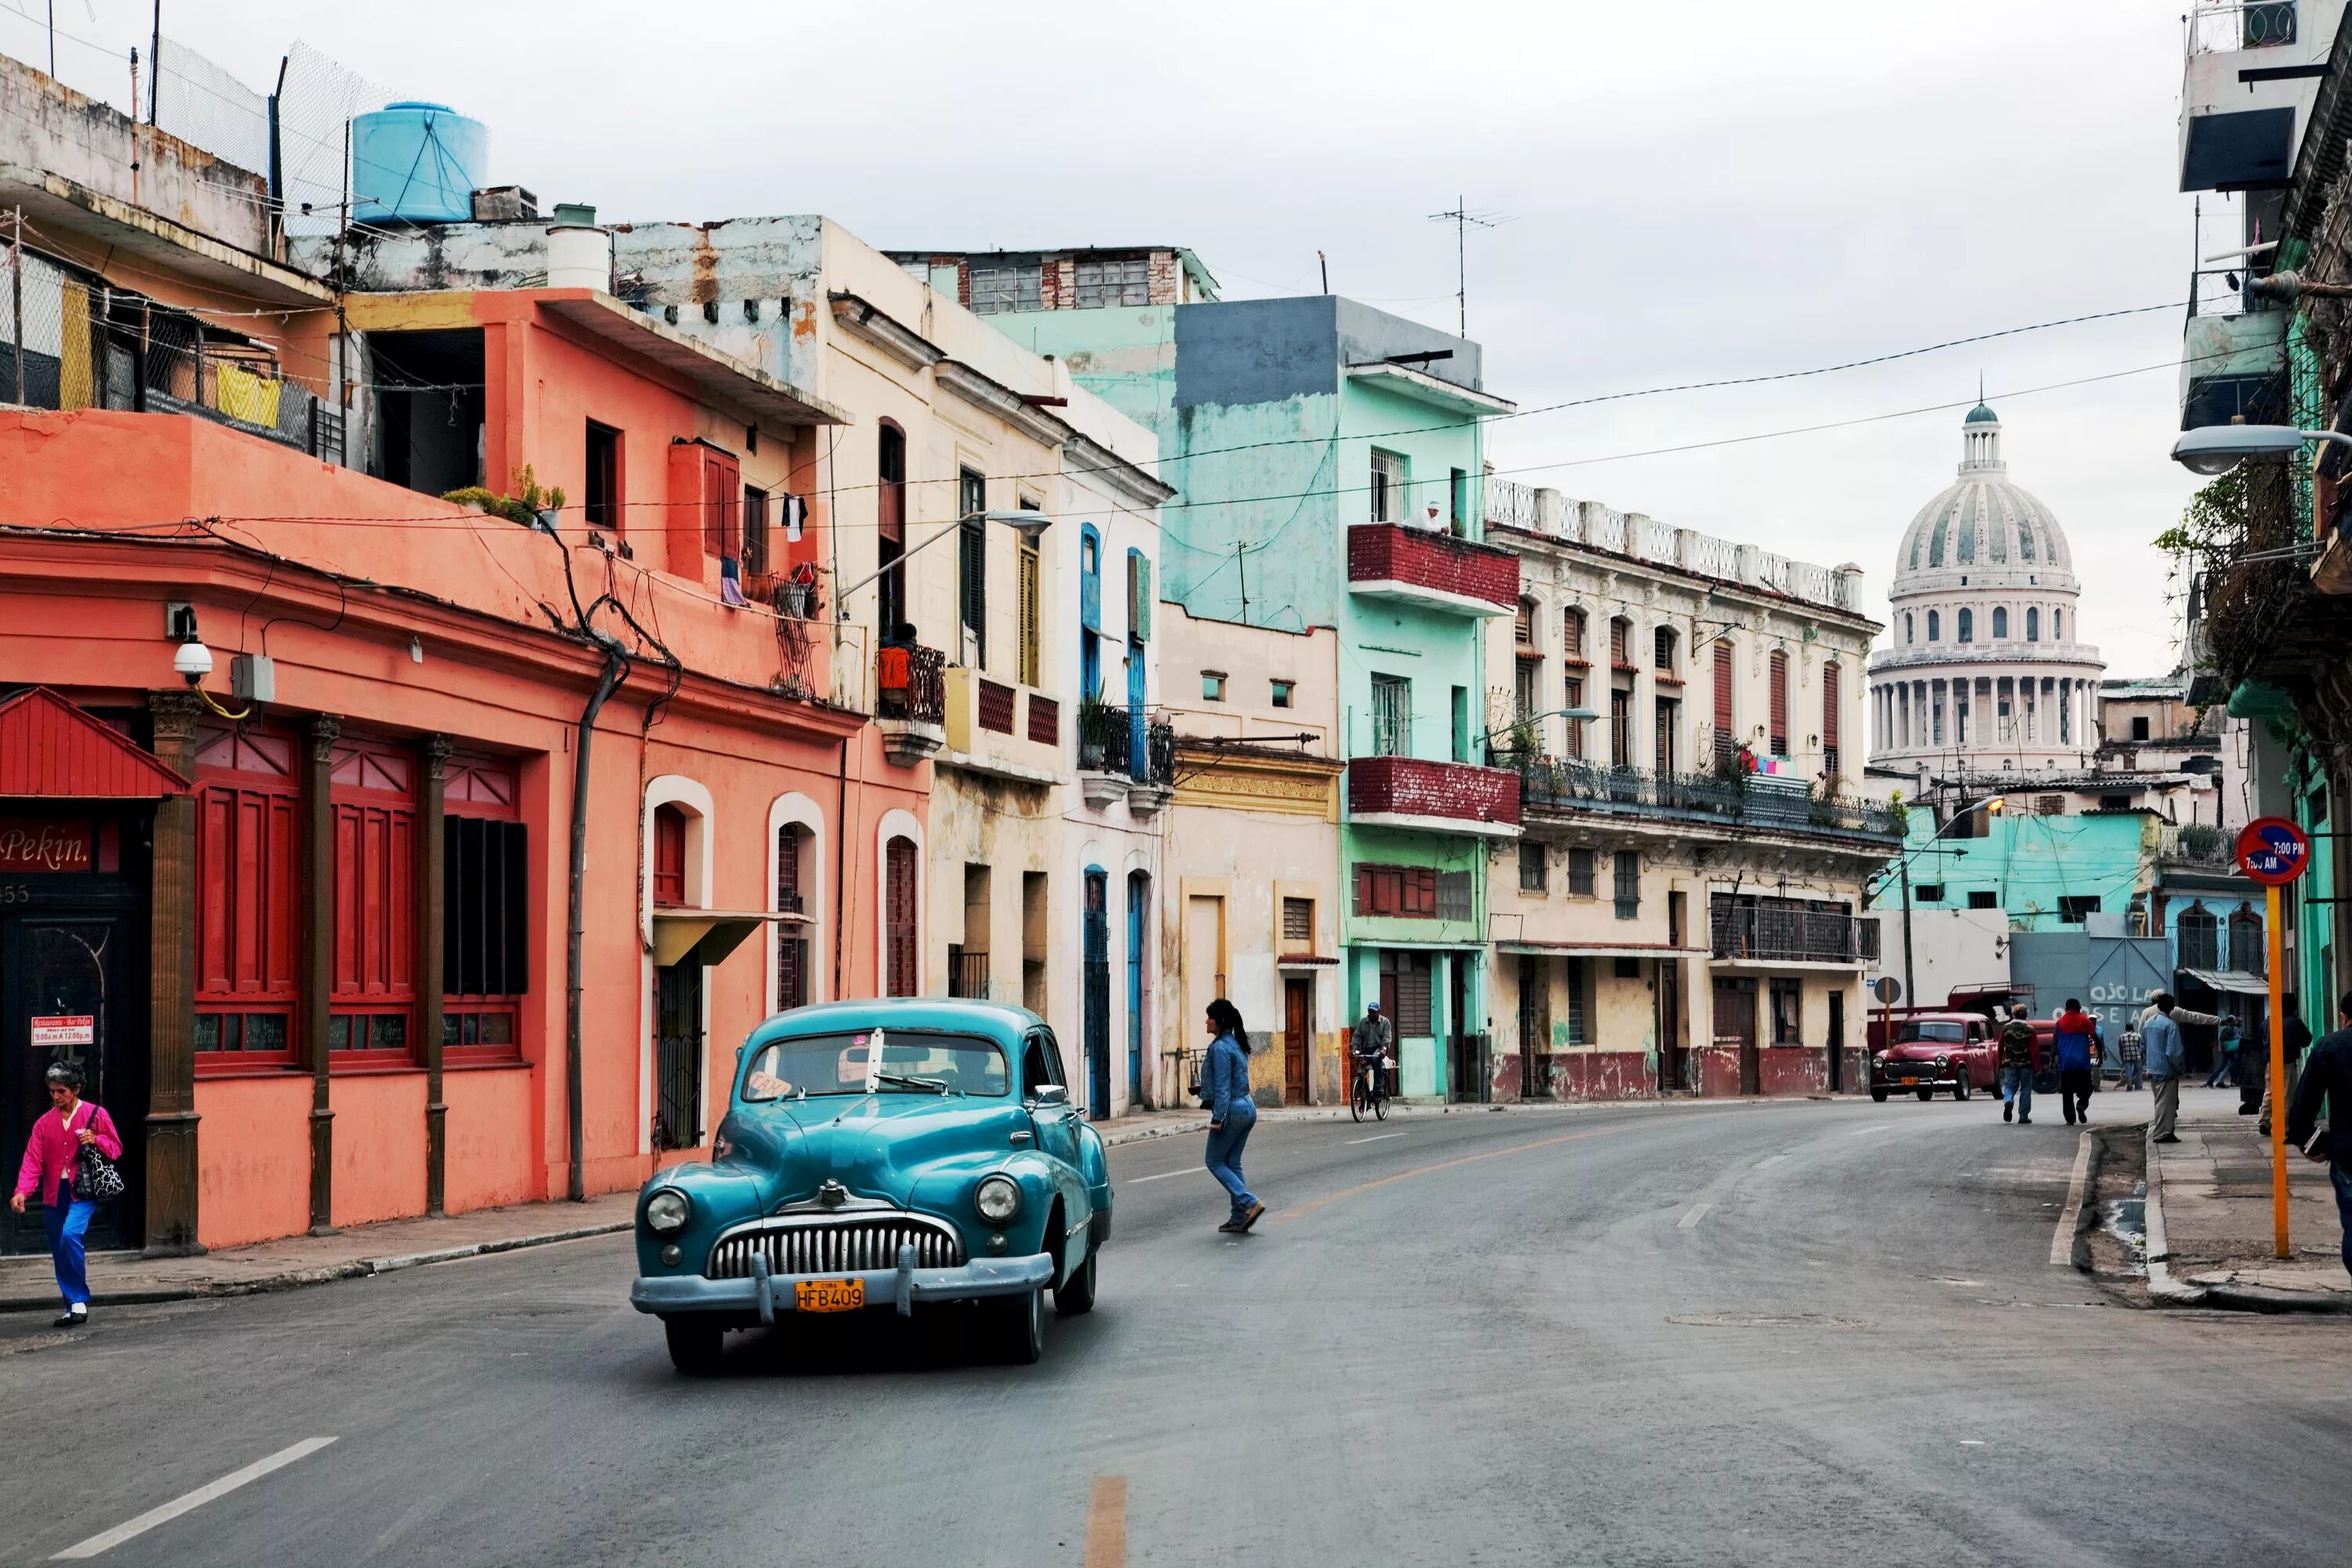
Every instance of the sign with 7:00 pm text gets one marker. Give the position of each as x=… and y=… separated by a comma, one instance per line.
x=2273, y=851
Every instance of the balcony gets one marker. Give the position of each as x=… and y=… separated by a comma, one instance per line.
x=1434, y=571
x=1433, y=797
x=987, y=731
x=1752, y=803
x=911, y=701
x=967, y=974
x=1126, y=752
x=2232, y=349
x=1779, y=931
x=2250, y=76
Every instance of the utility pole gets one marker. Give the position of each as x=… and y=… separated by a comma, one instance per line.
x=1460, y=215
x=1910, y=980
x=1241, y=567
x=154, y=65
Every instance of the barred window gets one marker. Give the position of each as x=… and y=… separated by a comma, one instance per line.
x=1579, y=874
x=1531, y=868
x=999, y=288
x=1629, y=884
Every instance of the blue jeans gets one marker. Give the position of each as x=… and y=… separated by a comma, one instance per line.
x=2017, y=1084
x=2225, y=1066
x=67, y=1219
x=1224, y=1156
x=2342, y=1176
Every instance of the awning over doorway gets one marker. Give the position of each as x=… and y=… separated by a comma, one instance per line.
x=2236, y=980
x=50, y=748
x=707, y=935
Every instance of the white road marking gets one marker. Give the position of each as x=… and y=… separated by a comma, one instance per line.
x=1376, y=1138
x=1859, y=1131
x=1971, y=1442
x=106, y=1541
x=1690, y=1221
x=2062, y=1244
x=1774, y=1160
x=1187, y=1171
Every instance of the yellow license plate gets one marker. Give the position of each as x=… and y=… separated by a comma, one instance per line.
x=1909, y=1081
x=828, y=1294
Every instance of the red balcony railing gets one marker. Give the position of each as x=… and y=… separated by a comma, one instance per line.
x=1411, y=786
x=1437, y=568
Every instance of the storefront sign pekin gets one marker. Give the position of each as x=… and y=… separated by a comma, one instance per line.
x=32, y=843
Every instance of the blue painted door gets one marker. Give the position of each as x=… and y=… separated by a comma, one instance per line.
x=1139, y=893
x=1097, y=994
x=1138, y=758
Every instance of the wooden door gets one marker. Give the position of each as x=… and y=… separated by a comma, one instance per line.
x=1837, y=1041
x=901, y=968
x=1297, y=1012
x=1734, y=1025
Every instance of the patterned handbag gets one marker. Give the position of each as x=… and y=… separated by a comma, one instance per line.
x=96, y=1178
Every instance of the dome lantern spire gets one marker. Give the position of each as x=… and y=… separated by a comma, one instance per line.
x=1981, y=436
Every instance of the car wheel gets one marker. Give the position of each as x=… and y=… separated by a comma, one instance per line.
x=1021, y=1326
x=1076, y=1294
x=1878, y=1092
x=1926, y=1093
x=1961, y=1086
x=695, y=1348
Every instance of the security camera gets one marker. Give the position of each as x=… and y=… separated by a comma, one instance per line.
x=193, y=661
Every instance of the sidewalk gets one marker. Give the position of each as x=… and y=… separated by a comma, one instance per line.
x=2210, y=1239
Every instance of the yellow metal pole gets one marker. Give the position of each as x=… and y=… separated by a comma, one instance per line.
x=2278, y=1078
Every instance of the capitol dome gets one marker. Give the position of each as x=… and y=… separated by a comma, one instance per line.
x=1981, y=673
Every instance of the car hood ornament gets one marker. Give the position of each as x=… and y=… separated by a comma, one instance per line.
x=832, y=1195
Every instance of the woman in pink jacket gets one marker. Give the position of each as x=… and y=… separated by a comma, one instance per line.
x=56, y=1143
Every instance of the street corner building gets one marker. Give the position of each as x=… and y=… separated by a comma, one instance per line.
x=332, y=745
x=1682, y=911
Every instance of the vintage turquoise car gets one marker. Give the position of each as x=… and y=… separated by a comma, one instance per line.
x=882, y=1155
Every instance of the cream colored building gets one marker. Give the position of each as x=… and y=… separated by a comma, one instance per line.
x=1251, y=909
x=1672, y=921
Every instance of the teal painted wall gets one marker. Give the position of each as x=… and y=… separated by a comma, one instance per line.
x=2029, y=863
x=1125, y=357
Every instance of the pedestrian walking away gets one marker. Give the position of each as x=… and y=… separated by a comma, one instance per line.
x=2017, y=1064
x=2297, y=1041
x=1226, y=1089
x=2078, y=1039
x=2168, y=1059
x=53, y=1156
x=2327, y=1080
x=2225, y=1055
x=2130, y=1057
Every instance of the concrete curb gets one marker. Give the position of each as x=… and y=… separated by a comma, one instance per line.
x=2166, y=1291
x=2162, y=1288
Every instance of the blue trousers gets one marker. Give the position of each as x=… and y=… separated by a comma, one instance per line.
x=2017, y=1084
x=67, y=1219
x=2342, y=1176
x=1224, y=1158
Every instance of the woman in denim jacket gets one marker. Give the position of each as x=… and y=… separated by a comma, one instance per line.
x=1226, y=1090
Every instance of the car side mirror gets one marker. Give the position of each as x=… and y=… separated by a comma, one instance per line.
x=1050, y=1094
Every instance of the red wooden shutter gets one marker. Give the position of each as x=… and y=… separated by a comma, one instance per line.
x=899, y=898
x=1571, y=633
x=1725, y=741
x=669, y=856
x=722, y=502
x=1829, y=717
x=1779, y=704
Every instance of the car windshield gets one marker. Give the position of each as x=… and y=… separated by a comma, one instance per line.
x=1931, y=1034
x=909, y=1064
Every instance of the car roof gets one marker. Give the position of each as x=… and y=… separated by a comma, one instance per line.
x=997, y=1021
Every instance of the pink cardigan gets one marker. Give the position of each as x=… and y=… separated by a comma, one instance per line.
x=50, y=1152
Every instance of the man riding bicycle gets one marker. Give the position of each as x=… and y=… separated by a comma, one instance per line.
x=1374, y=1038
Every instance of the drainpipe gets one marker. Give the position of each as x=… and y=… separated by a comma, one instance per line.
x=616, y=669
x=840, y=862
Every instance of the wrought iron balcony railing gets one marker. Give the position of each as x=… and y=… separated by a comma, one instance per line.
x=1550, y=785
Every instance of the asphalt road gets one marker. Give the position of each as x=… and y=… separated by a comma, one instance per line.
x=1795, y=1333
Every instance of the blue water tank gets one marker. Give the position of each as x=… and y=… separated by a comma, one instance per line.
x=417, y=162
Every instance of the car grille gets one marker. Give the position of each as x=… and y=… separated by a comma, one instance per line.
x=847, y=1246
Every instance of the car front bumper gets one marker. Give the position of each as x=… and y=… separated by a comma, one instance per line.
x=763, y=1295
x=1926, y=1078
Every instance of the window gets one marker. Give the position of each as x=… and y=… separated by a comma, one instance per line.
x=1621, y=643
x=1984, y=898
x=1454, y=898
x=2114, y=803
x=1629, y=884
x=601, y=494
x=1579, y=1001
x=2074, y=911
x=1089, y=578
x=1461, y=716
x=1930, y=892
x=890, y=531
x=2057, y=625
x=372, y=961
x=1523, y=627
x=1832, y=699
x=2050, y=805
x=1391, y=716
x=1935, y=624
x=1299, y=925
x=1579, y=873
x=2000, y=625
x=1025, y=593
x=1779, y=694
x=485, y=911
x=1389, y=481
x=1665, y=755
x=1965, y=625
x=1527, y=680
x=1531, y=868
x=1458, y=488
x=2139, y=726
x=2245, y=955
x=901, y=966
x=2199, y=937
x=972, y=569
x=1726, y=737
x=1788, y=1012
x=1405, y=992
x=2032, y=625
x=1661, y=646
x=996, y=290
x=1409, y=892
x=669, y=856
x=1281, y=693
x=1212, y=686
x=1910, y=628
x=1620, y=729
x=755, y=531
x=1123, y=282
x=791, y=939
x=1571, y=697
x=247, y=812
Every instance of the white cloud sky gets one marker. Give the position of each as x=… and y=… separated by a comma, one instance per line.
x=1700, y=189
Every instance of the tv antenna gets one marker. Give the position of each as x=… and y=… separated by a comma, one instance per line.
x=1462, y=216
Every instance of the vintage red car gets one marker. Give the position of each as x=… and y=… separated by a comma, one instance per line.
x=1928, y=1051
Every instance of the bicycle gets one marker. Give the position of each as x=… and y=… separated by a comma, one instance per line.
x=1370, y=1091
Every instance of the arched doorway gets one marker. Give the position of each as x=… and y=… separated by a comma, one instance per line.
x=1097, y=980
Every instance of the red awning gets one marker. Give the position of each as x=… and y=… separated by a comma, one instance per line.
x=49, y=747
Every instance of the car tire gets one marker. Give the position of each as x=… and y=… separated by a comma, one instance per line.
x=695, y=1347
x=1961, y=1086
x=1926, y=1093
x=1020, y=1327
x=1878, y=1092
x=1076, y=1296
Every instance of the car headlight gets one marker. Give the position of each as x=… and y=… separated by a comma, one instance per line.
x=1942, y=1062
x=998, y=1199
x=666, y=1212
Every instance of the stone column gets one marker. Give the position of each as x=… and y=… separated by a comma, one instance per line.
x=171, y=998
x=318, y=919
x=431, y=873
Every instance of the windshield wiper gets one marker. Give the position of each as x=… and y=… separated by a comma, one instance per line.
x=934, y=1085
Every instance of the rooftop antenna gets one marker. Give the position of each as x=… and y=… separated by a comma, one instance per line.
x=1462, y=216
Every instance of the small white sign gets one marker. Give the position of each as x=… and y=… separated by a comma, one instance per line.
x=65, y=1030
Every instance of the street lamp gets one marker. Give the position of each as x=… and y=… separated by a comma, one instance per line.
x=1028, y=524
x=2218, y=449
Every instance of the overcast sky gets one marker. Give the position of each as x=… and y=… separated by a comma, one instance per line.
x=1698, y=190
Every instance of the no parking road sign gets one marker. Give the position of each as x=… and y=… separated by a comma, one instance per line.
x=2273, y=851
